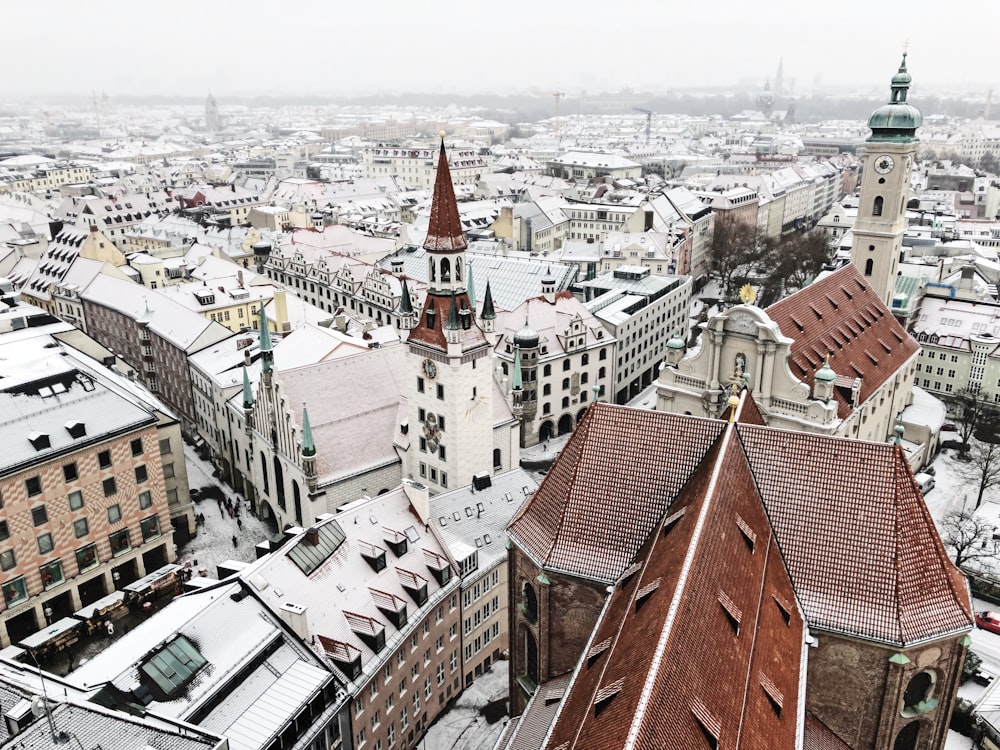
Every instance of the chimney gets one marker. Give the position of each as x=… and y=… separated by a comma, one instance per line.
x=294, y=616
x=280, y=310
x=312, y=536
x=93, y=228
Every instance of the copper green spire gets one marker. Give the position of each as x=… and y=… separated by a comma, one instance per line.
x=308, y=446
x=405, y=307
x=247, y=392
x=453, y=313
x=266, y=350
x=471, y=287
x=488, y=312
x=516, y=383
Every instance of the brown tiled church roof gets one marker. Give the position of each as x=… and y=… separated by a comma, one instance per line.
x=430, y=329
x=841, y=317
x=444, y=232
x=715, y=534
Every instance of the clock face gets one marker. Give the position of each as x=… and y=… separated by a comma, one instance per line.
x=430, y=369
x=884, y=164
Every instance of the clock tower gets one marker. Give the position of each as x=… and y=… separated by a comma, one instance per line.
x=885, y=188
x=449, y=404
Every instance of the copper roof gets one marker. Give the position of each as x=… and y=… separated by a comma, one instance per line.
x=841, y=316
x=444, y=232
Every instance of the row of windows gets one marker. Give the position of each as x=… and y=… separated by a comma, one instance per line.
x=51, y=574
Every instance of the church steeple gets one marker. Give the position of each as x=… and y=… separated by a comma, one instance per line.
x=489, y=314
x=266, y=350
x=472, y=287
x=308, y=451
x=247, y=403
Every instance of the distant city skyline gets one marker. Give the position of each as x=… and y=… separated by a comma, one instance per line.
x=56, y=47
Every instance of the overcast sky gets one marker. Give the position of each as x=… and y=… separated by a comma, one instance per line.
x=328, y=47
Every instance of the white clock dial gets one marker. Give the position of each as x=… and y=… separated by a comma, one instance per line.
x=884, y=164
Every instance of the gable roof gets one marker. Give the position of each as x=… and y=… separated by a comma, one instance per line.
x=841, y=317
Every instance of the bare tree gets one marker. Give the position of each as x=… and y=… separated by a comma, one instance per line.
x=968, y=408
x=739, y=250
x=983, y=468
x=967, y=537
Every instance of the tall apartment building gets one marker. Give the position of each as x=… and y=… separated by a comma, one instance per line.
x=82, y=485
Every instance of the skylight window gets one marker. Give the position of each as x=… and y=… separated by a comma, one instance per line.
x=173, y=667
x=316, y=545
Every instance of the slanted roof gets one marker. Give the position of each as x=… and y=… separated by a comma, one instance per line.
x=842, y=317
x=611, y=483
x=860, y=544
x=444, y=233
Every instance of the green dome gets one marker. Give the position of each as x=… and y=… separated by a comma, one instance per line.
x=897, y=120
x=675, y=343
x=826, y=373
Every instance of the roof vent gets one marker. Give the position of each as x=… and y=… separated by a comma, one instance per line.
x=76, y=429
x=481, y=480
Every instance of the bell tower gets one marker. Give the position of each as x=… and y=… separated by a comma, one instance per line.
x=885, y=188
x=450, y=409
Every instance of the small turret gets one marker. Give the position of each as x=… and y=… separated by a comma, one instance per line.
x=247, y=403
x=823, y=382
x=549, y=286
x=517, y=386
x=308, y=451
x=266, y=350
x=489, y=313
x=406, y=314
x=675, y=351
x=470, y=287
x=453, y=327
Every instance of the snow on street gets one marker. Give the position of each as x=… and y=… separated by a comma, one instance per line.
x=463, y=727
x=213, y=543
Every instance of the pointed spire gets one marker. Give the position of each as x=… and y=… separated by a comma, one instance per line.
x=453, y=313
x=308, y=446
x=488, y=312
x=405, y=306
x=516, y=383
x=470, y=287
x=266, y=350
x=444, y=232
x=247, y=392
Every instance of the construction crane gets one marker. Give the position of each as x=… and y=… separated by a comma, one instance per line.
x=649, y=120
x=558, y=95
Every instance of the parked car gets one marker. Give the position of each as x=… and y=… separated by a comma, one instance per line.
x=988, y=621
x=949, y=428
x=925, y=482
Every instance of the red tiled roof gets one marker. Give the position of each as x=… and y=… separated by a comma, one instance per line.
x=840, y=316
x=707, y=577
x=444, y=232
x=612, y=482
x=858, y=540
x=430, y=330
x=818, y=736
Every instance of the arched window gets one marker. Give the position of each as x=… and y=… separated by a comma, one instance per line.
x=458, y=269
x=263, y=468
x=279, y=483
x=877, y=207
x=547, y=370
x=297, y=500
x=530, y=656
x=869, y=267
x=529, y=603
x=917, y=697
x=585, y=359
x=907, y=737
x=497, y=459
x=432, y=268
x=445, y=269
x=601, y=373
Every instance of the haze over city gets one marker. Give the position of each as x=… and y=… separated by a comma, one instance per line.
x=442, y=46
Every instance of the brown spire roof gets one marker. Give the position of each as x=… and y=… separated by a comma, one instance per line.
x=444, y=233
x=842, y=317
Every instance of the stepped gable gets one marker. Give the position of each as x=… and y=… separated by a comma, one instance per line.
x=444, y=232
x=860, y=545
x=841, y=317
x=611, y=483
x=709, y=572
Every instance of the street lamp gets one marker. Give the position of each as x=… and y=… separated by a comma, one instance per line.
x=116, y=576
x=47, y=610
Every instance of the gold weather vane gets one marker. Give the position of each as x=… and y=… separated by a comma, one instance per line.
x=748, y=295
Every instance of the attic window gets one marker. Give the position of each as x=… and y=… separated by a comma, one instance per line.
x=643, y=594
x=630, y=571
x=368, y=629
x=748, y=534
x=396, y=540
x=596, y=650
x=605, y=695
x=709, y=725
x=39, y=440
x=784, y=608
x=373, y=555
x=733, y=613
x=672, y=520
x=413, y=584
x=390, y=605
x=344, y=655
x=774, y=696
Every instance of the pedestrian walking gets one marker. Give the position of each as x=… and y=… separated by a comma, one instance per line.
x=239, y=523
x=235, y=542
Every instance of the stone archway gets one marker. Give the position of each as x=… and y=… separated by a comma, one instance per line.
x=545, y=431
x=565, y=424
